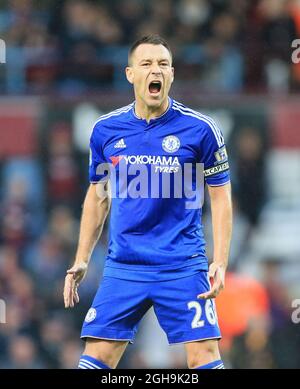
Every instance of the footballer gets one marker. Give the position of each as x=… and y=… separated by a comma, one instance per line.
x=156, y=254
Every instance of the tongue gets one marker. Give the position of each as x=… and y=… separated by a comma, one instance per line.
x=154, y=88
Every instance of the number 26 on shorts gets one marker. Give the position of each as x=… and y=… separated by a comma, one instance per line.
x=209, y=312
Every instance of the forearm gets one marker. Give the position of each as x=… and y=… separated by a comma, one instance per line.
x=94, y=212
x=221, y=209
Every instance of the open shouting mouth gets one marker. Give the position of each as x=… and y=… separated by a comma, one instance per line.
x=155, y=87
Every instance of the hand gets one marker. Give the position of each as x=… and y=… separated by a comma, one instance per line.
x=217, y=274
x=73, y=278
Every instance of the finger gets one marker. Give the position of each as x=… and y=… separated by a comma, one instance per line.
x=67, y=295
x=76, y=269
x=72, y=293
x=213, y=293
x=218, y=283
x=210, y=294
x=69, y=290
x=76, y=295
x=65, y=298
x=66, y=302
x=77, y=278
x=212, y=273
x=77, y=275
x=206, y=296
x=72, y=270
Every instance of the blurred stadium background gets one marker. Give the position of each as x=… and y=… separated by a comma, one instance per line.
x=64, y=67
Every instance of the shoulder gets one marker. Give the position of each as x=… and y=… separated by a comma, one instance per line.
x=118, y=115
x=204, y=123
x=196, y=117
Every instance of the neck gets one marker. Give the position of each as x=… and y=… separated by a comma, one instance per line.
x=143, y=111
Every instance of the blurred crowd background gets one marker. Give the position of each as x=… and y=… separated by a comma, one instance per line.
x=77, y=46
x=64, y=67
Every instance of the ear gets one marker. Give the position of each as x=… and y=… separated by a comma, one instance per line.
x=129, y=74
x=172, y=75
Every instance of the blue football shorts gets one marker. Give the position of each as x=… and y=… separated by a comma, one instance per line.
x=120, y=304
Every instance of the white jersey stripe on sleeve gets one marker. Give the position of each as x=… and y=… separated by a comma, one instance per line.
x=220, y=143
x=116, y=110
x=84, y=366
x=190, y=112
x=202, y=116
x=220, y=366
x=114, y=113
x=208, y=120
x=88, y=363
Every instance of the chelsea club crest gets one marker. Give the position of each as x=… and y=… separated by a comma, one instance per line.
x=171, y=144
x=91, y=315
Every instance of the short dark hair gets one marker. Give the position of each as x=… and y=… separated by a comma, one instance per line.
x=149, y=39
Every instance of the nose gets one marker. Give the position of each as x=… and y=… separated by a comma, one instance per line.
x=155, y=69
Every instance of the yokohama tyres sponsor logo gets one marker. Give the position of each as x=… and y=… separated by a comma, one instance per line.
x=151, y=160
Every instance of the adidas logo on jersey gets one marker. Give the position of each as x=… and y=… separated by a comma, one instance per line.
x=120, y=144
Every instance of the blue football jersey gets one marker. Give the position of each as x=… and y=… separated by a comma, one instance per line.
x=155, y=221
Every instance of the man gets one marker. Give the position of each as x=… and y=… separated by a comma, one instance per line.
x=156, y=255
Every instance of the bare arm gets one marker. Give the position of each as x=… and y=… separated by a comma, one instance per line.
x=221, y=209
x=95, y=210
